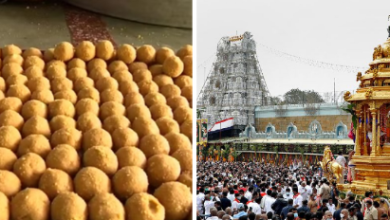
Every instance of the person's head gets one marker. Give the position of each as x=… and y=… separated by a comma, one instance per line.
x=231, y=191
x=288, y=190
x=301, y=215
x=201, y=190
x=330, y=201
x=384, y=217
x=308, y=215
x=376, y=204
x=250, y=189
x=280, y=196
x=243, y=218
x=328, y=215
x=240, y=207
x=344, y=214
x=269, y=215
x=303, y=184
x=295, y=190
x=368, y=203
x=258, y=200
x=242, y=192
x=217, y=204
x=351, y=199
x=342, y=205
x=237, y=195
x=304, y=202
x=207, y=197
x=226, y=217
x=274, y=194
x=213, y=212
x=252, y=216
x=290, y=216
x=269, y=192
x=228, y=210
x=220, y=214
x=351, y=211
x=290, y=201
x=324, y=202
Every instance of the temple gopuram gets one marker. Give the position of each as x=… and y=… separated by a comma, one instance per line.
x=371, y=116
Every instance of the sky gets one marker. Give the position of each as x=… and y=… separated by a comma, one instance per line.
x=339, y=32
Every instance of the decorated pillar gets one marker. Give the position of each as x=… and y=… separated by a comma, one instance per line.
x=358, y=133
x=365, y=145
x=374, y=132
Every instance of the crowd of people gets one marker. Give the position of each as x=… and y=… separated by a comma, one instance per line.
x=254, y=190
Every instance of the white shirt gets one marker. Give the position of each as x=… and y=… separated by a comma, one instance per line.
x=268, y=203
x=289, y=196
x=341, y=160
x=207, y=206
x=255, y=208
x=332, y=208
x=199, y=201
x=234, y=204
x=231, y=197
x=212, y=218
x=248, y=195
x=298, y=201
x=305, y=192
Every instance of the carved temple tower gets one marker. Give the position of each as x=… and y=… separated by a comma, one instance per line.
x=372, y=135
x=235, y=84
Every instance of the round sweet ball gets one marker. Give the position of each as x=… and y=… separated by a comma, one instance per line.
x=64, y=51
x=11, y=49
x=144, y=206
x=30, y=203
x=107, y=83
x=11, y=118
x=155, y=98
x=126, y=53
x=88, y=121
x=76, y=73
x=146, y=54
x=156, y=69
x=98, y=73
x=96, y=63
x=184, y=51
x=32, y=108
x=177, y=142
x=142, y=74
x=29, y=169
x=90, y=93
x=59, y=63
x=4, y=207
x=7, y=159
x=122, y=75
x=184, y=157
x=183, y=81
x=19, y=91
x=48, y=55
x=111, y=108
x=186, y=179
x=45, y=96
x=187, y=93
x=123, y=137
x=61, y=107
x=128, y=86
x=160, y=110
x=87, y=105
x=186, y=128
x=68, y=205
x=2, y=96
x=38, y=83
x=9, y=137
x=90, y=181
x=34, y=143
x=137, y=65
x=69, y=136
x=176, y=199
x=162, y=168
x=82, y=83
x=117, y=65
x=96, y=137
x=167, y=125
x=13, y=58
x=61, y=121
x=137, y=110
x=16, y=80
x=9, y=183
x=10, y=69
x=54, y=182
x=170, y=91
x=34, y=61
x=55, y=71
x=105, y=206
x=36, y=125
x=32, y=51
x=173, y=66
x=182, y=113
x=76, y=63
x=2, y=84
x=32, y=72
x=10, y=103
x=86, y=51
x=162, y=80
x=61, y=83
x=131, y=156
x=102, y=158
x=154, y=144
x=163, y=53
x=187, y=60
x=144, y=126
x=111, y=95
x=105, y=50
x=178, y=101
x=115, y=121
x=134, y=98
x=129, y=180
x=146, y=87
x=69, y=95
x=55, y=159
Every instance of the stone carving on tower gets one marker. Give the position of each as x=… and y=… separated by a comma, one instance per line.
x=235, y=84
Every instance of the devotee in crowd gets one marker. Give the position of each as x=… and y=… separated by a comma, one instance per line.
x=371, y=213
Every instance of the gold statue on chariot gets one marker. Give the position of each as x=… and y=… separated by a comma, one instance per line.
x=371, y=117
x=330, y=167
